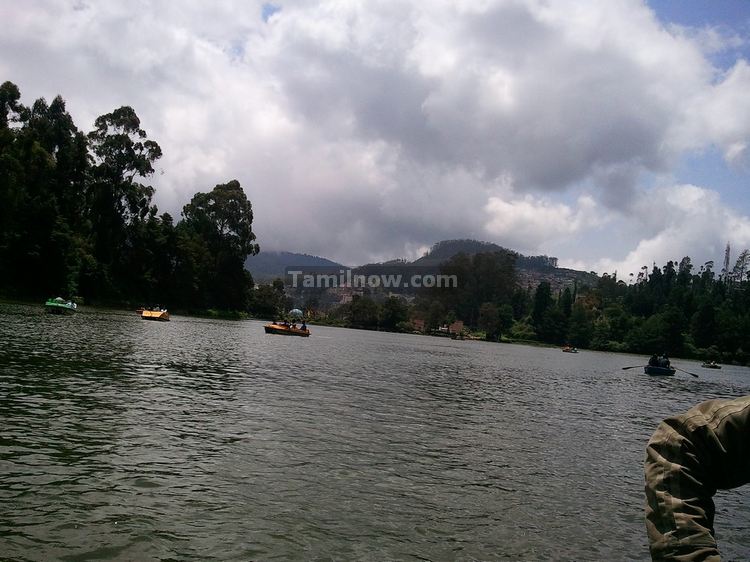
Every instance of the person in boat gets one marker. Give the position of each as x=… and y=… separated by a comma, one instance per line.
x=304, y=326
x=688, y=458
x=664, y=361
x=653, y=361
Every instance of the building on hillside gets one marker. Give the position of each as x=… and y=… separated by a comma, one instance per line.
x=457, y=327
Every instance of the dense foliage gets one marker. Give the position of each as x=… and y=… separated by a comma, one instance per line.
x=77, y=219
x=672, y=309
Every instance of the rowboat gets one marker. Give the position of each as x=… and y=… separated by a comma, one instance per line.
x=286, y=330
x=60, y=306
x=156, y=314
x=659, y=371
x=711, y=365
x=568, y=349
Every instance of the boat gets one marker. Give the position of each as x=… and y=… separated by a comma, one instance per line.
x=659, y=371
x=711, y=365
x=568, y=349
x=60, y=306
x=284, y=329
x=156, y=313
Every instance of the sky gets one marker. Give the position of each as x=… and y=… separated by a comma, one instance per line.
x=612, y=135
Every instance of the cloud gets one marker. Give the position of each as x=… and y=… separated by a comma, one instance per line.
x=679, y=221
x=527, y=223
x=366, y=130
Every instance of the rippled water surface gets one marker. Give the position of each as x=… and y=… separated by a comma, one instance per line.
x=209, y=440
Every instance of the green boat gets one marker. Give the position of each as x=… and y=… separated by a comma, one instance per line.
x=60, y=306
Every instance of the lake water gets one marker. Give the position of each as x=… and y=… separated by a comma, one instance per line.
x=209, y=440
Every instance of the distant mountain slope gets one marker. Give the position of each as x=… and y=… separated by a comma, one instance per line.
x=443, y=251
x=267, y=266
x=531, y=270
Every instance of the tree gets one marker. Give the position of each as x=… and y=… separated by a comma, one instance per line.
x=43, y=165
x=223, y=218
x=684, y=271
x=363, y=313
x=580, y=327
x=267, y=301
x=482, y=277
x=122, y=155
x=566, y=302
x=553, y=327
x=10, y=108
x=489, y=321
x=703, y=325
x=118, y=202
x=219, y=225
x=542, y=301
x=435, y=315
x=505, y=317
x=393, y=312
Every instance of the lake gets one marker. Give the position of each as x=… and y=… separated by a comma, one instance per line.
x=199, y=439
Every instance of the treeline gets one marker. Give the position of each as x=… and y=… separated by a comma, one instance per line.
x=485, y=297
x=672, y=309
x=77, y=218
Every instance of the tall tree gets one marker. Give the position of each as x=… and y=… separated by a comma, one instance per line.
x=118, y=201
x=219, y=224
x=46, y=162
x=542, y=302
x=566, y=302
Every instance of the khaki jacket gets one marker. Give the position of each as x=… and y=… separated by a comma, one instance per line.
x=688, y=458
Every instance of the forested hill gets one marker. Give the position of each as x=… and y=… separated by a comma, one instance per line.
x=446, y=249
x=267, y=266
x=531, y=270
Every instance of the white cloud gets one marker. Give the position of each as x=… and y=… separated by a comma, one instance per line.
x=679, y=221
x=527, y=223
x=371, y=129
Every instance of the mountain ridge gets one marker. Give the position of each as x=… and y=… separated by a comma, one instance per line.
x=267, y=266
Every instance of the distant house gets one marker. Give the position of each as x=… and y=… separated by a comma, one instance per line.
x=418, y=324
x=456, y=328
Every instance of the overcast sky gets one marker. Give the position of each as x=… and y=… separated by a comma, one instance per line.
x=610, y=134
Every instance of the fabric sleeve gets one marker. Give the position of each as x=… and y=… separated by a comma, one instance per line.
x=688, y=458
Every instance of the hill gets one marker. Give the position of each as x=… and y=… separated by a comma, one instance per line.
x=443, y=251
x=531, y=270
x=267, y=266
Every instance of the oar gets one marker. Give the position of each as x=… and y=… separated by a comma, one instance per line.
x=688, y=372
x=633, y=367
